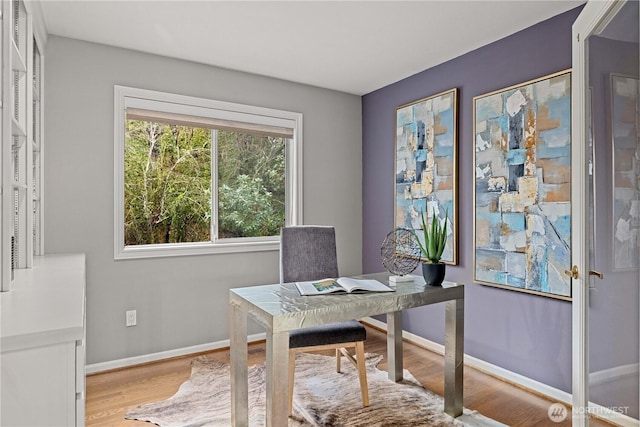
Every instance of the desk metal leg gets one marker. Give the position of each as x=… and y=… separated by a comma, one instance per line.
x=394, y=345
x=239, y=381
x=277, y=411
x=453, y=357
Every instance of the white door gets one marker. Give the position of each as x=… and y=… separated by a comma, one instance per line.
x=606, y=212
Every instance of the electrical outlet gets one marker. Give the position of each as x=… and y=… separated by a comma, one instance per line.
x=131, y=318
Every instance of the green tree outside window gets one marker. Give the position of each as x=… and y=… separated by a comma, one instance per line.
x=168, y=195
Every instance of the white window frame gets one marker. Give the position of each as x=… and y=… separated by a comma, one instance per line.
x=128, y=97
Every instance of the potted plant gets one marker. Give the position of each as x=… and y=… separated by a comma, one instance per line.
x=432, y=246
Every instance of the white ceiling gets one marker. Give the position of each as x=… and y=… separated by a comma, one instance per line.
x=350, y=46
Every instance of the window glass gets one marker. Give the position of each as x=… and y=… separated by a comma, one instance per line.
x=251, y=184
x=167, y=193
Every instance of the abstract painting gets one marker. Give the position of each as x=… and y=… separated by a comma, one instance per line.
x=522, y=187
x=625, y=133
x=426, y=162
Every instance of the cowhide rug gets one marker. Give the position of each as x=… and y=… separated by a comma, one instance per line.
x=322, y=397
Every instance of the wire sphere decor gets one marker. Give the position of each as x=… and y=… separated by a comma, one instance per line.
x=400, y=252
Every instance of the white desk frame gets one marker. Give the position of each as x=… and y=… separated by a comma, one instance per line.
x=280, y=309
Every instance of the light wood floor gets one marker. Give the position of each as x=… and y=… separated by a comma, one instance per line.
x=111, y=394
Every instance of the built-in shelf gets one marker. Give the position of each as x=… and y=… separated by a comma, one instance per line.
x=17, y=62
x=17, y=129
x=22, y=130
x=19, y=185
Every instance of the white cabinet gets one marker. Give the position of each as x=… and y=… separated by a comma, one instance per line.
x=42, y=344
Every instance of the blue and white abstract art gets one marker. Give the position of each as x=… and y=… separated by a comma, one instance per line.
x=522, y=193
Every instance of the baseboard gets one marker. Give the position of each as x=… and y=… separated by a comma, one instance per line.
x=520, y=380
x=147, y=358
x=613, y=374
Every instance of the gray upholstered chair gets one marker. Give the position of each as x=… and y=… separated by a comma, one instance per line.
x=308, y=253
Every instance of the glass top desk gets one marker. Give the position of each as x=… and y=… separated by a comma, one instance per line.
x=280, y=309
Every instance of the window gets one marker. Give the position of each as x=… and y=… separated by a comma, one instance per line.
x=196, y=176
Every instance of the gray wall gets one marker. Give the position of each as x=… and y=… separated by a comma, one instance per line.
x=181, y=301
x=524, y=333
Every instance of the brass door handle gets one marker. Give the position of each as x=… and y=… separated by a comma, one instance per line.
x=596, y=273
x=573, y=273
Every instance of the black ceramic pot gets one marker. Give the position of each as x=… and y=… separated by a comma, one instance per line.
x=433, y=273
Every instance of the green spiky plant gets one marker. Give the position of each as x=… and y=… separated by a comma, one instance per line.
x=435, y=238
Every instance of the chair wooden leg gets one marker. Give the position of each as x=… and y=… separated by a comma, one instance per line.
x=292, y=370
x=362, y=373
x=338, y=360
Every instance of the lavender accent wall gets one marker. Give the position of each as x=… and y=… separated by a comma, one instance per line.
x=524, y=333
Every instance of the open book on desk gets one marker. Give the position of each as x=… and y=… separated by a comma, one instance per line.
x=341, y=285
